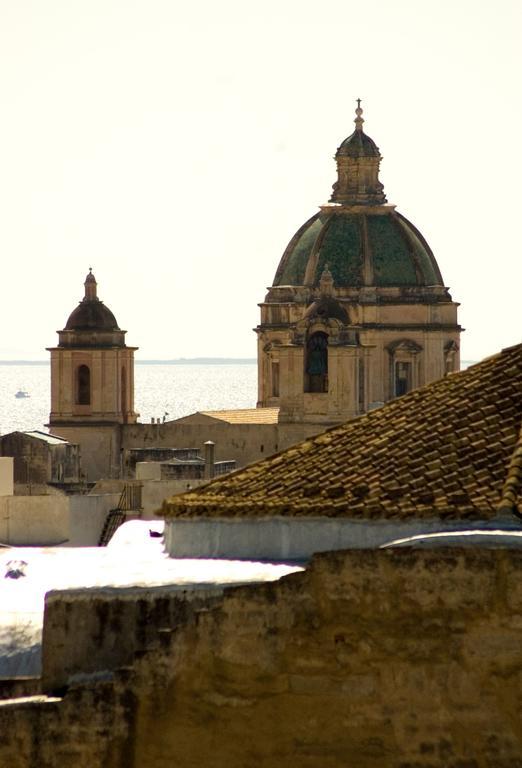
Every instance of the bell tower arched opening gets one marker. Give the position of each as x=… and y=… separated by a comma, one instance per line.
x=83, y=385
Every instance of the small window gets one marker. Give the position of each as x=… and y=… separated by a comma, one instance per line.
x=402, y=378
x=83, y=391
x=361, y=385
x=274, y=374
x=123, y=389
x=316, y=370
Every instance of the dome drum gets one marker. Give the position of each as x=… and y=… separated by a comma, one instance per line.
x=77, y=339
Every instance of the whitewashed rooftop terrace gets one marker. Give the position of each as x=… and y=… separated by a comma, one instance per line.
x=132, y=559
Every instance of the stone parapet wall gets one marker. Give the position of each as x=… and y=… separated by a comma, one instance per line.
x=92, y=631
x=369, y=659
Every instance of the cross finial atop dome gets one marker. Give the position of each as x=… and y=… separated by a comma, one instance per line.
x=90, y=287
x=359, y=120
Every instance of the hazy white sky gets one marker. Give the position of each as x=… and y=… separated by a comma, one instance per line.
x=175, y=147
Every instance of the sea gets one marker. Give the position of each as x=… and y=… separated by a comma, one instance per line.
x=161, y=390
x=167, y=390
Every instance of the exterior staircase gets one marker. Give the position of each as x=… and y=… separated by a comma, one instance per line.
x=129, y=506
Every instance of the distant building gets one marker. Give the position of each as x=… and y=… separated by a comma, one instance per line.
x=358, y=313
x=40, y=458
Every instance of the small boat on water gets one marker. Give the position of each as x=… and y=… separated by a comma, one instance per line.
x=22, y=393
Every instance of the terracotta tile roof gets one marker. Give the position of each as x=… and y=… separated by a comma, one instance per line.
x=246, y=415
x=451, y=449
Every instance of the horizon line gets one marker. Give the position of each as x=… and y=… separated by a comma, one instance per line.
x=150, y=361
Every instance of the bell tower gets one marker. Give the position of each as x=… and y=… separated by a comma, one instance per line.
x=92, y=384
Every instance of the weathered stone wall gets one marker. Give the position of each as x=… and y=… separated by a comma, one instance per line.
x=18, y=687
x=90, y=631
x=370, y=659
x=32, y=461
x=400, y=659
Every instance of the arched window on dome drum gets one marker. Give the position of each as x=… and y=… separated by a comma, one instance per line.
x=83, y=385
x=316, y=363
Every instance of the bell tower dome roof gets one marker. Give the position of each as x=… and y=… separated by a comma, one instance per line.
x=91, y=324
x=91, y=314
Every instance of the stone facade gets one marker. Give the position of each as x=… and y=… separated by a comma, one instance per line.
x=383, y=659
x=358, y=313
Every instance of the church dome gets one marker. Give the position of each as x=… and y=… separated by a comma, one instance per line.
x=91, y=314
x=363, y=247
x=363, y=241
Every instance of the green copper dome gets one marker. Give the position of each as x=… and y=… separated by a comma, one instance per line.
x=368, y=248
x=362, y=241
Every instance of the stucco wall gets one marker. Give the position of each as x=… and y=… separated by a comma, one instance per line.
x=54, y=519
x=286, y=538
x=369, y=659
x=154, y=492
x=87, y=515
x=34, y=520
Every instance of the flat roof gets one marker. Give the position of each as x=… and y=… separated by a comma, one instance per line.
x=246, y=415
x=46, y=437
